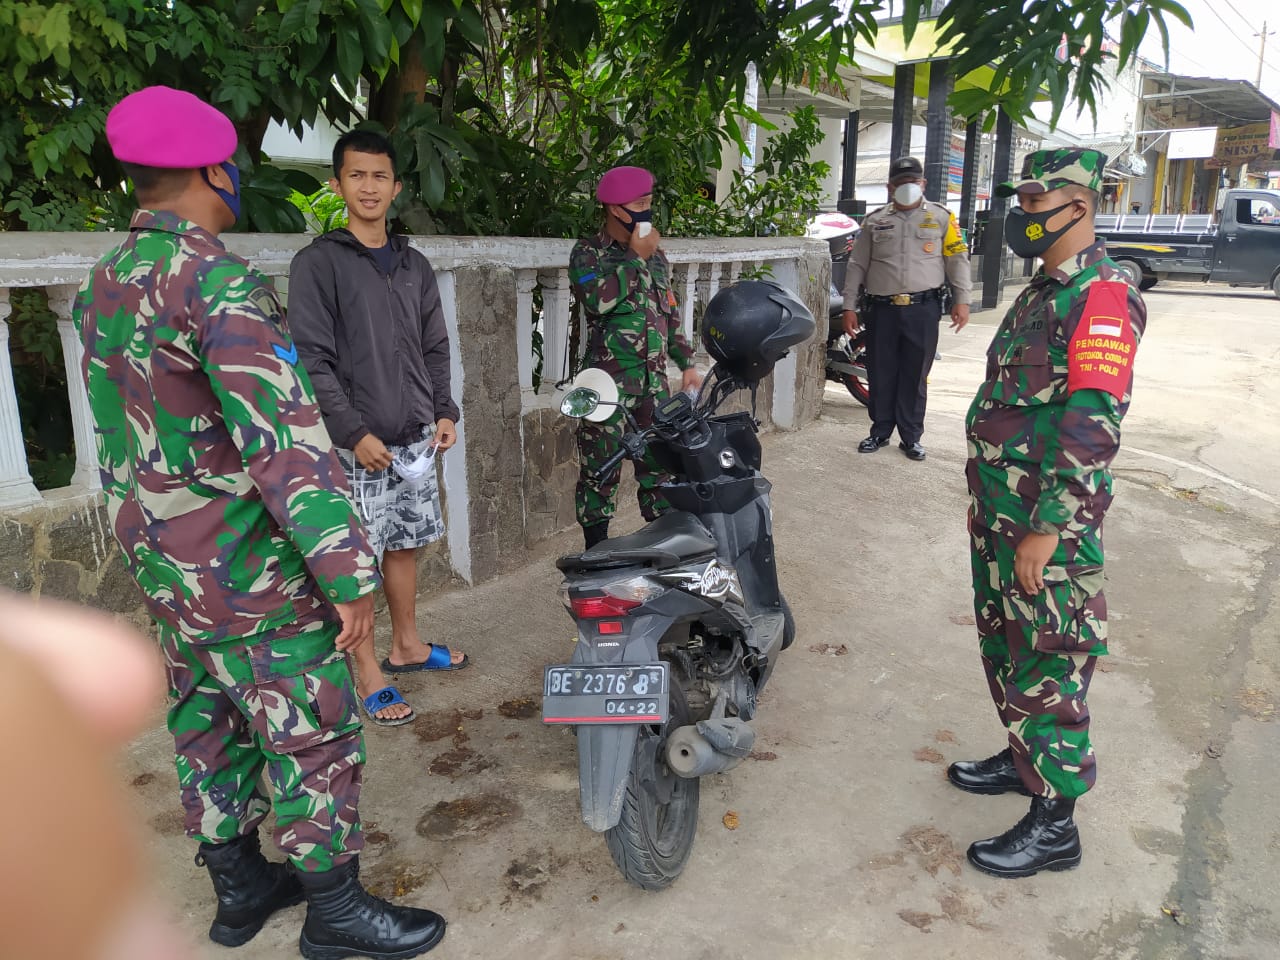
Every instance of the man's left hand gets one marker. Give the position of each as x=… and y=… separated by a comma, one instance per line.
x=1030, y=559
x=691, y=379
x=959, y=316
x=446, y=434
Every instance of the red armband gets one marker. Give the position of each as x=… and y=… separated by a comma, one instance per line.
x=1100, y=356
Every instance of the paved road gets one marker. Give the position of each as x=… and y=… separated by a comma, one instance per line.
x=850, y=843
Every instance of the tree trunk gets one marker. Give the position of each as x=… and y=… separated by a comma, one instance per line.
x=251, y=131
x=387, y=98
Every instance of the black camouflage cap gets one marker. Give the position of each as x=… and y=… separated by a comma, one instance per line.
x=1047, y=170
x=905, y=167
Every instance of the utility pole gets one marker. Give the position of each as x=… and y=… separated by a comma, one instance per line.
x=1262, y=51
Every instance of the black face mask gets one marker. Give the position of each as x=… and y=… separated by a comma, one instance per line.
x=637, y=216
x=1027, y=234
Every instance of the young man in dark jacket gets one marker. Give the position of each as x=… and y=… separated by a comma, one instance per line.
x=366, y=316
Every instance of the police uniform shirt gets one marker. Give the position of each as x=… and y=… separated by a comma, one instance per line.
x=909, y=251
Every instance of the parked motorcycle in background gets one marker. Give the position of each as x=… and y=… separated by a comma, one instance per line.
x=846, y=356
x=680, y=624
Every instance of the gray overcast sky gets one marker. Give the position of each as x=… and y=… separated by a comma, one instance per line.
x=1223, y=42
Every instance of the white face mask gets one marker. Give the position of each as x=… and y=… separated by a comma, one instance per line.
x=907, y=194
x=415, y=471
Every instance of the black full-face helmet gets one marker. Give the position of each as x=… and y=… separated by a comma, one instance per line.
x=750, y=325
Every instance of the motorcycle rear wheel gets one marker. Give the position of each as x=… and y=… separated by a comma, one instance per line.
x=653, y=838
x=855, y=349
x=788, y=624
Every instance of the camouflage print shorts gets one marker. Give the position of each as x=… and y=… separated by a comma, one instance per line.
x=398, y=514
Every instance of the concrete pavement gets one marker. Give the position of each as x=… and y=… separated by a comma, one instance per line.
x=849, y=843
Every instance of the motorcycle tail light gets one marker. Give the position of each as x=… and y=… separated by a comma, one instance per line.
x=595, y=608
x=615, y=599
x=640, y=589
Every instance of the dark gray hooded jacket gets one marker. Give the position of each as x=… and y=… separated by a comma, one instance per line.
x=374, y=345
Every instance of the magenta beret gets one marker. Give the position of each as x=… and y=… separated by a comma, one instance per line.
x=624, y=184
x=173, y=129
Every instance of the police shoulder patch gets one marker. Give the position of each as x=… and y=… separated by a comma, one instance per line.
x=1100, y=356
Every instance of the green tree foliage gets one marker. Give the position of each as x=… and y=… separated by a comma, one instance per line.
x=503, y=111
x=1022, y=39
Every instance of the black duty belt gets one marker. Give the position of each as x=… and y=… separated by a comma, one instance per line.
x=906, y=299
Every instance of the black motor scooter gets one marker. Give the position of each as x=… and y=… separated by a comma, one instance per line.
x=679, y=624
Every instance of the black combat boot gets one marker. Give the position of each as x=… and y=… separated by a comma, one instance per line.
x=344, y=920
x=249, y=888
x=1045, y=839
x=595, y=532
x=993, y=775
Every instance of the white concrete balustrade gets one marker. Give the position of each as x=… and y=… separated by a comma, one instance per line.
x=542, y=298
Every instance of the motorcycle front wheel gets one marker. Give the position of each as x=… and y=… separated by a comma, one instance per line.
x=654, y=836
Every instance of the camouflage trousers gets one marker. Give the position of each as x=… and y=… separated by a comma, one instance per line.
x=597, y=442
x=1039, y=654
x=283, y=704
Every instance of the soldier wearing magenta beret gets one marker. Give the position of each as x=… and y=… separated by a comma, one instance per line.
x=624, y=283
x=234, y=517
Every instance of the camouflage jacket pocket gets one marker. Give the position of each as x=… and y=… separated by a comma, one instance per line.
x=304, y=688
x=1070, y=615
x=1023, y=367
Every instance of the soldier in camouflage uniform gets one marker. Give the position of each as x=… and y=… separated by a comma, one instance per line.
x=1042, y=432
x=229, y=505
x=623, y=281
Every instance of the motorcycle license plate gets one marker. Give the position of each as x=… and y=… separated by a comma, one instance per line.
x=626, y=693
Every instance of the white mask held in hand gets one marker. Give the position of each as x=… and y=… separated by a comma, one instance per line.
x=415, y=471
x=907, y=194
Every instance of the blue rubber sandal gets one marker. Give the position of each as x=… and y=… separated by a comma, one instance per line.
x=441, y=658
x=381, y=699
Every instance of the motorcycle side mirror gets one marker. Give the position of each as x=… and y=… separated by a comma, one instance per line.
x=579, y=403
x=592, y=396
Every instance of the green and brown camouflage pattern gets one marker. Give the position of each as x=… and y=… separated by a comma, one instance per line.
x=1046, y=170
x=220, y=479
x=1039, y=458
x=282, y=703
x=597, y=442
x=1039, y=654
x=1039, y=461
x=633, y=321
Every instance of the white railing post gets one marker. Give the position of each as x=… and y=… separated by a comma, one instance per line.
x=735, y=271
x=61, y=298
x=690, y=298
x=16, y=487
x=555, y=326
x=526, y=280
x=710, y=285
x=786, y=372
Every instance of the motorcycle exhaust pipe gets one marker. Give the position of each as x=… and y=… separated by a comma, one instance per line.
x=712, y=746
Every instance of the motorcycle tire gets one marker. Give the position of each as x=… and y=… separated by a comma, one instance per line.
x=788, y=624
x=652, y=840
x=856, y=350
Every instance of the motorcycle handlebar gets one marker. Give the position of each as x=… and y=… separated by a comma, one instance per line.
x=633, y=446
x=610, y=464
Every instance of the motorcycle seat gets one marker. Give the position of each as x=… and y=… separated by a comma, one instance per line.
x=672, y=539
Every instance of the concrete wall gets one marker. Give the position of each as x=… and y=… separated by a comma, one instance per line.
x=509, y=484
